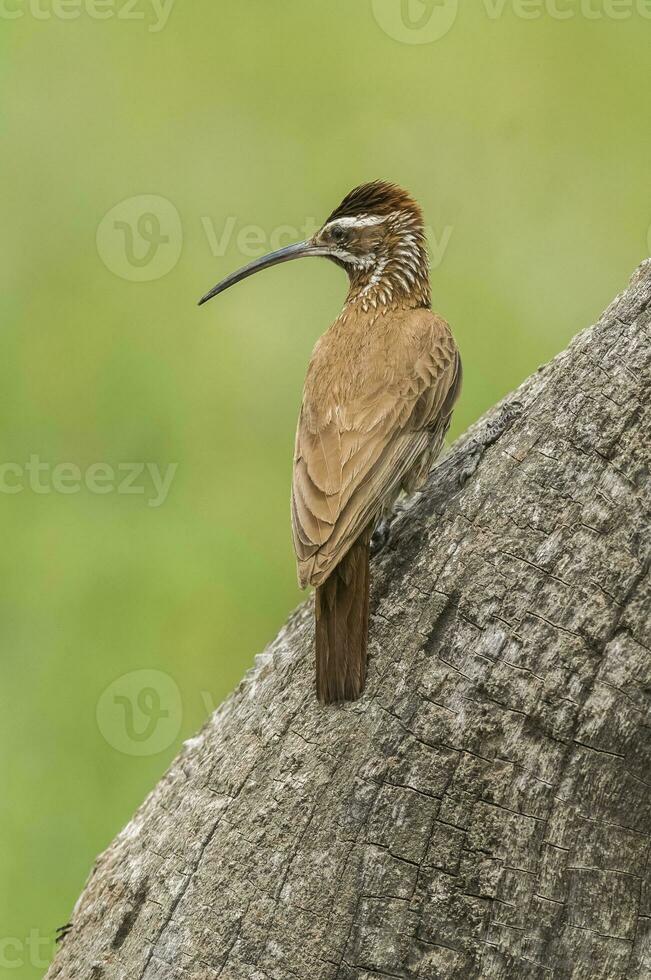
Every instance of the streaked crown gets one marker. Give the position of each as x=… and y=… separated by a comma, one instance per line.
x=379, y=197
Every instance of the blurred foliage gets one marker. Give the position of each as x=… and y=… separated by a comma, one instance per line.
x=522, y=137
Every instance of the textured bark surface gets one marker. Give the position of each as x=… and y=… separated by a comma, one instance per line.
x=485, y=809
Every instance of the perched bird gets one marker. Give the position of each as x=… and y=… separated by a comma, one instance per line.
x=377, y=402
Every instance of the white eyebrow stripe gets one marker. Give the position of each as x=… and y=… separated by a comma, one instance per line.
x=363, y=221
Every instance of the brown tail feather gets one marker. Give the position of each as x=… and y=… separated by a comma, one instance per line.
x=341, y=609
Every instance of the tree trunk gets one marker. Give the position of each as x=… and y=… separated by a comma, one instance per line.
x=484, y=810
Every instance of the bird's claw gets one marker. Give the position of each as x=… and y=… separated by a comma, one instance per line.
x=380, y=536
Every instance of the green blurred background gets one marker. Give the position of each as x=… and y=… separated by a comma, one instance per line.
x=526, y=141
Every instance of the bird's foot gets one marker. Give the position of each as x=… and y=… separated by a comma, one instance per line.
x=380, y=536
x=62, y=932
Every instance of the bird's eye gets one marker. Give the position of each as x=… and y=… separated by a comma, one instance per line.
x=337, y=233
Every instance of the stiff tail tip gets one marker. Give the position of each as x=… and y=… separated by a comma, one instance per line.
x=341, y=626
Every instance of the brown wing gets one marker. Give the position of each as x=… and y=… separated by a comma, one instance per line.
x=372, y=404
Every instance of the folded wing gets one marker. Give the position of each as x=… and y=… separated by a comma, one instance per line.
x=361, y=433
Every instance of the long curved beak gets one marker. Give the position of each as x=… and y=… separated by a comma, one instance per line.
x=286, y=254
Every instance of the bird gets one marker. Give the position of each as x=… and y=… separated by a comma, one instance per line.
x=377, y=402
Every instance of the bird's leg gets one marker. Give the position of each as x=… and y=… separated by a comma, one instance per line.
x=382, y=533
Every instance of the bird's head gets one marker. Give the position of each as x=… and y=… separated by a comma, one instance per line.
x=376, y=234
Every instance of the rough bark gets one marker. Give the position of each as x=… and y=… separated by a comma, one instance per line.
x=485, y=809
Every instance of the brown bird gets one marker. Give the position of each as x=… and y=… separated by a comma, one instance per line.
x=377, y=402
